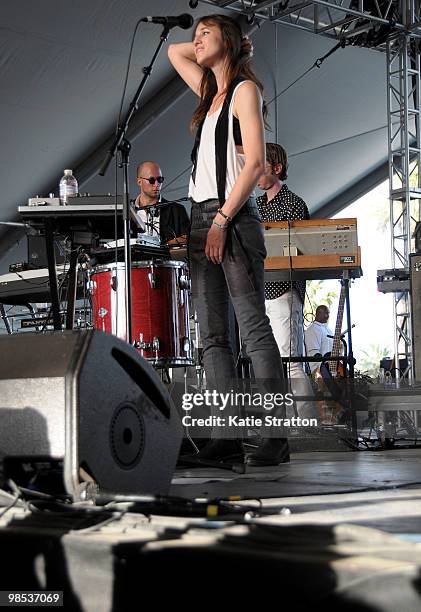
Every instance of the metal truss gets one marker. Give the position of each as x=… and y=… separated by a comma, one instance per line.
x=404, y=146
x=362, y=22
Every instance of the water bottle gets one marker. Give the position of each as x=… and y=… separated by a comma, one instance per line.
x=68, y=187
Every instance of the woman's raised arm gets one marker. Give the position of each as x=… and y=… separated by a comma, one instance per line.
x=183, y=58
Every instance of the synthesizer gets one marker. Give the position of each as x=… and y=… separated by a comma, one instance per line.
x=312, y=249
x=27, y=286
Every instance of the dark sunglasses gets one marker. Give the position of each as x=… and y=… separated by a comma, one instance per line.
x=152, y=179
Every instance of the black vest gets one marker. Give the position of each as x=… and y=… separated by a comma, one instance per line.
x=221, y=143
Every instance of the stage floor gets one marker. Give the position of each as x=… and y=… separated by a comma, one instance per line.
x=339, y=530
x=309, y=473
x=380, y=489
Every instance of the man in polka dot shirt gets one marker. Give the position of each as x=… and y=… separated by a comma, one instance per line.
x=284, y=300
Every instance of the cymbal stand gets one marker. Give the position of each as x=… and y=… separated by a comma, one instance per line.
x=197, y=356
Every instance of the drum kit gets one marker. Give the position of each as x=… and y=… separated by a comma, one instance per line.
x=159, y=325
x=160, y=308
x=160, y=305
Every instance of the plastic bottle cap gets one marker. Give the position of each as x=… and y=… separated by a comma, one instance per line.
x=68, y=172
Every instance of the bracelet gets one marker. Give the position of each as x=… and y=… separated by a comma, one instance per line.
x=228, y=218
x=222, y=227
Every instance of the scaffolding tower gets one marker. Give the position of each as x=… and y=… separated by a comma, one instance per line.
x=404, y=147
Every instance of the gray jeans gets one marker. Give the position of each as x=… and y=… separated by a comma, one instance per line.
x=240, y=277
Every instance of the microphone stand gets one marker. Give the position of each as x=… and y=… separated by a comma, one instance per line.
x=16, y=224
x=151, y=209
x=159, y=205
x=122, y=144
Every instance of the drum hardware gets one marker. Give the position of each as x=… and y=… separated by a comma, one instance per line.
x=165, y=376
x=186, y=427
x=197, y=351
x=184, y=282
x=187, y=345
x=147, y=346
x=152, y=278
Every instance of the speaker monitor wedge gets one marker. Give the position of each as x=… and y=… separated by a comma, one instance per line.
x=89, y=400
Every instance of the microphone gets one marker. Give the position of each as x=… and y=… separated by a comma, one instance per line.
x=184, y=21
x=155, y=210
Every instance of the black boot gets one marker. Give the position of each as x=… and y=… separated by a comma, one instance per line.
x=272, y=451
x=224, y=449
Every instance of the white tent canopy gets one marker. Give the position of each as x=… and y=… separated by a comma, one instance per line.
x=62, y=67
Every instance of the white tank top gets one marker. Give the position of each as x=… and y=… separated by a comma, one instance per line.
x=205, y=186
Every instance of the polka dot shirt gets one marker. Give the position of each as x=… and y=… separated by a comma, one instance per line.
x=285, y=206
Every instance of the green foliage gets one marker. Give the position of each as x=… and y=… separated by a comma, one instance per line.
x=369, y=363
x=317, y=294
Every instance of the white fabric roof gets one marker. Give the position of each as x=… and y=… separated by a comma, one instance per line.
x=61, y=74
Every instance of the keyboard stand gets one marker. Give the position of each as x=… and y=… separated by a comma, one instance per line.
x=52, y=273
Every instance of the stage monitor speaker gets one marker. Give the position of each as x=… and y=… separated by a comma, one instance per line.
x=37, y=251
x=415, y=289
x=90, y=401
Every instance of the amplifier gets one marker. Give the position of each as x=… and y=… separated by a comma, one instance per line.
x=393, y=280
x=37, y=253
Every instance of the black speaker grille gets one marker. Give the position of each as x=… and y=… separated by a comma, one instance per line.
x=127, y=436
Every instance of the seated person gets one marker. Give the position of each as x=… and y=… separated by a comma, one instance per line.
x=316, y=337
x=169, y=222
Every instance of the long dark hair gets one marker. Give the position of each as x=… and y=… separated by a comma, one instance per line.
x=238, y=63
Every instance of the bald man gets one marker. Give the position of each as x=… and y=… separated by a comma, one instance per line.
x=316, y=336
x=168, y=222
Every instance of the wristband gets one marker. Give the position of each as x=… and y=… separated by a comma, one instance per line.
x=229, y=219
x=222, y=227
